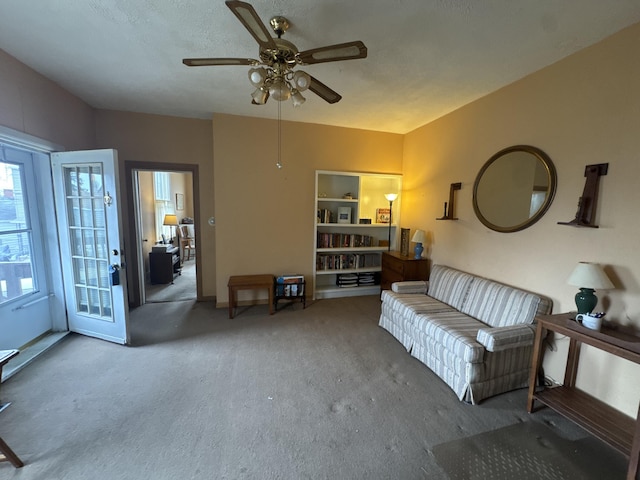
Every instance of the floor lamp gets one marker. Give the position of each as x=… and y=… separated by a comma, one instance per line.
x=391, y=197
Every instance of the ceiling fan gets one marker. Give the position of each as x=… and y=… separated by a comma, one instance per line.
x=273, y=74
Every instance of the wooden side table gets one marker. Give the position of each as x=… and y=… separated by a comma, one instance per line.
x=249, y=282
x=610, y=425
x=399, y=268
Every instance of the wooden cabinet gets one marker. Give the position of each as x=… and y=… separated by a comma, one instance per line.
x=610, y=425
x=351, y=231
x=164, y=265
x=398, y=268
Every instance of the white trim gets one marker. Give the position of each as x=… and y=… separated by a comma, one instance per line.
x=24, y=140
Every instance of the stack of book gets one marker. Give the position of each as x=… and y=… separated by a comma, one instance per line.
x=347, y=280
x=367, y=279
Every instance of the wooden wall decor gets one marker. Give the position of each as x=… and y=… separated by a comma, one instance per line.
x=586, y=214
x=449, y=214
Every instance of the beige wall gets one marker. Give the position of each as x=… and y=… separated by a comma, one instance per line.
x=582, y=110
x=33, y=104
x=265, y=216
x=158, y=139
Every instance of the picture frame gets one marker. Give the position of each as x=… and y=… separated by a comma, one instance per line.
x=383, y=215
x=179, y=201
x=404, y=241
x=344, y=214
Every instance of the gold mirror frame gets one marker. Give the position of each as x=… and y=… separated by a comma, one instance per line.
x=550, y=188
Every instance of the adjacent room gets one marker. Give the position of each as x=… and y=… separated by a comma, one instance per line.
x=449, y=188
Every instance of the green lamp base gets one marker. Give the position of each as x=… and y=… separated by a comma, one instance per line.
x=586, y=301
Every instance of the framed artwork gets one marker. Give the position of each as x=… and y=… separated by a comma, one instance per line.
x=383, y=215
x=179, y=201
x=344, y=214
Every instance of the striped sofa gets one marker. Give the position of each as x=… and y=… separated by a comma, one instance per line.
x=475, y=334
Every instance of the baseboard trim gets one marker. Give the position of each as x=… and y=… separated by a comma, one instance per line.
x=31, y=352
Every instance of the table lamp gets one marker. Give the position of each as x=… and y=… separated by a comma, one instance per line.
x=588, y=277
x=419, y=238
x=170, y=220
x=391, y=197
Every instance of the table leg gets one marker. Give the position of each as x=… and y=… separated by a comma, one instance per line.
x=535, y=366
x=573, y=357
x=231, y=301
x=9, y=455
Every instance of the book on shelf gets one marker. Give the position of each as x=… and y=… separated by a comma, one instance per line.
x=344, y=240
x=324, y=215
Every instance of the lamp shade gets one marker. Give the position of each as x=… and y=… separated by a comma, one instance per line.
x=391, y=196
x=590, y=275
x=170, y=219
x=419, y=237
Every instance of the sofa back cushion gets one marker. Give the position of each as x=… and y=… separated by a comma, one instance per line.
x=500, y=305
x=449, y=285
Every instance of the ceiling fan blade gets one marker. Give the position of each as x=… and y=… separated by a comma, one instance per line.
x=251, y=21
x=201, y=62
x=334, y=53
x=323, y=91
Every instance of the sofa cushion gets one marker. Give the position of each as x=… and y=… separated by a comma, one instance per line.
x=408, y=305
x=449, y=285
x=496, y=339
x=499, y=305
x=453, y=330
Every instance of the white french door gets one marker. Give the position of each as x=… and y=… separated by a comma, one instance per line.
x=88, y=205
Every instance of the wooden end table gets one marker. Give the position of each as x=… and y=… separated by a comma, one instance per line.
x=249, y=282
x=610, y=425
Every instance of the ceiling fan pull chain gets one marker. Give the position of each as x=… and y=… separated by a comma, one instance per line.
x=279, y=163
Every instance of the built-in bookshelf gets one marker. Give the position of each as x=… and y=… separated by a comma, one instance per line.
x=352, y=230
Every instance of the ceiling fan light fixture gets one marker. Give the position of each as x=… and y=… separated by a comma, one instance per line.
x=257, y=76
x=260, y=96
x=301, y=80
x=279, y=90
x=297, y=98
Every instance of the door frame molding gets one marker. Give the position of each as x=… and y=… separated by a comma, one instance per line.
x=131, y=239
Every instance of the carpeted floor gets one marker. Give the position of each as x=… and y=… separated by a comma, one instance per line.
x=320, y=393
x=183, y=287
x=527, y=451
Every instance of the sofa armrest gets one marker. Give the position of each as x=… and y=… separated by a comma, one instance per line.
x=496, y=339
x=418, y=286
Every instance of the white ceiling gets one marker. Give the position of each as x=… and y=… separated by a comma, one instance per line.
x=426, y=57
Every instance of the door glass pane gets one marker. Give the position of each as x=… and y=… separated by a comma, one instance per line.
x=87, y=231
x=16, y=268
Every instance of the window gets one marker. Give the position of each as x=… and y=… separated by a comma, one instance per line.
x=16, y=236
x=164, y=205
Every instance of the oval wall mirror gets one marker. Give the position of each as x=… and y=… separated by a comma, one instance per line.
x=514, y=189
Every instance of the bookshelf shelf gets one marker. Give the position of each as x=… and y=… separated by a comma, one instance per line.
x=341, y=240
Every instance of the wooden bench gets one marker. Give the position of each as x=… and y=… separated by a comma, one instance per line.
x=249, y=282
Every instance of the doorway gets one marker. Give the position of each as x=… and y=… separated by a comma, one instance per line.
x=159, y=190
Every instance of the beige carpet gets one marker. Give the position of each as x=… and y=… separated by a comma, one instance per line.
x=183, y=287
x=320, y=393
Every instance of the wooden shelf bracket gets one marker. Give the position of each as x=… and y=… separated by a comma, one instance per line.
x=585, y=216
x=449, y=215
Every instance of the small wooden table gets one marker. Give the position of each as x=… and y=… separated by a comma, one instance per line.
x=249, y=282
x=603, y=421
